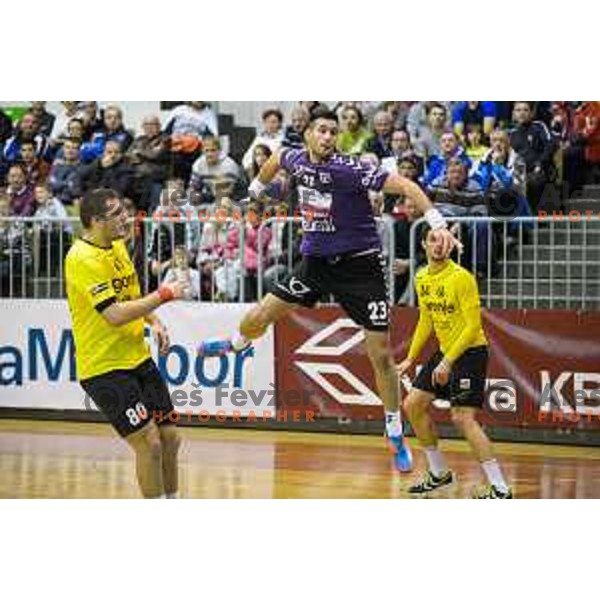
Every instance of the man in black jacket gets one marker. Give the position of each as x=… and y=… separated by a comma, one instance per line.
x=44, y=118
x=533, y=141
x=109, y=171
x=6, y=127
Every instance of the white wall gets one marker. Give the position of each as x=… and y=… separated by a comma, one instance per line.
x=249, y=113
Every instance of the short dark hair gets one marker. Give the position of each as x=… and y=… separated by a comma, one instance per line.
x=18, y=166
x=322, y=112
x=527, y=102
x=404, y=131
x=94, y=204
x=212, y=139
x=43, y=184
x=273, y=112
x=437, y=105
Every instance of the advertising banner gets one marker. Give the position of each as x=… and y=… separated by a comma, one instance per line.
x=544, y=369
x=37, y=360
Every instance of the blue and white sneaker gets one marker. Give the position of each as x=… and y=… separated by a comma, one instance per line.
x=402, y=453
x=219, y=347
x=214, y=347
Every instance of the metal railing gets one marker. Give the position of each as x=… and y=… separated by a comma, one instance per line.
x=523, y=263
x=529, y=262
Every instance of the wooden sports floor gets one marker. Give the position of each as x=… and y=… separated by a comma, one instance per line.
x=76, y=460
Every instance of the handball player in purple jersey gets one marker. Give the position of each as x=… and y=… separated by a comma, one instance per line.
x=341, y=255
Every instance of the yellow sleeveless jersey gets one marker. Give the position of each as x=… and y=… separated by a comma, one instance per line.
x=449, y=304
x=95, y=278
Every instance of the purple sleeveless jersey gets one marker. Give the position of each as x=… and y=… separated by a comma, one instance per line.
x=334, y=201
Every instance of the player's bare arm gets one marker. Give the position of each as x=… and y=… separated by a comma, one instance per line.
x=401, y=186
x=122, y=313
x=421, y=336
x=266, y=175
x=159, y=333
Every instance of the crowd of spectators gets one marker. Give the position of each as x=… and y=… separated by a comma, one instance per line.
x=465, y=155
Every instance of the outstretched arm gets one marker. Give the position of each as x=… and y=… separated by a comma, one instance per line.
x=420, y=337
x=266, y=175
x=121, y=313
x=401, y=186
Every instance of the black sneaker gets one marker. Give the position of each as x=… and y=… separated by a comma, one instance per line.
x=493, y=493
x=431, y=482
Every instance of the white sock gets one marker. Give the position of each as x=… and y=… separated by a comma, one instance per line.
x=172, y=496
x=393, y=423
x=436, y=461
x=493, y=472
x=239, y=342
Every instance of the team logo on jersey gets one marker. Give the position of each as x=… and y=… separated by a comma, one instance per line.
x=325, y=178
x=99, y=289
x=465, y=384
x=119, y=283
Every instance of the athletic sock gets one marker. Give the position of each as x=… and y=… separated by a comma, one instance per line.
x=493, y=472
x=436, y=461
x=239, y=342
x=393, y=423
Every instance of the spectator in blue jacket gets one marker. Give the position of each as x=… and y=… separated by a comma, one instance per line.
x=65, y=175
x=113, y=131
x=437, y=165
x=478, y=113
x=455, y=194
x=26, y=130
x=501, y=173
x=381, y=142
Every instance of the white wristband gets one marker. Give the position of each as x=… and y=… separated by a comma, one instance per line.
x=256, y=188
x=435, y=219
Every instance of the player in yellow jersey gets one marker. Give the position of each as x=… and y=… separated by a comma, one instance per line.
x=450, y=308
x=113, y=361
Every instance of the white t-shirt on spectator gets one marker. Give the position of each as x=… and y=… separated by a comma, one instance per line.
x=190, y=121
x=390, y=164
x=54, y=209
x=273, y=142
x=191, y=283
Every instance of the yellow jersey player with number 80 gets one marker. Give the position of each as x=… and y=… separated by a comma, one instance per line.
x=113, y=361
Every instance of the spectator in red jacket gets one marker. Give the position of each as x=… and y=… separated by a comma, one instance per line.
x=581, y=145
x=587, y=125
x=36, y=169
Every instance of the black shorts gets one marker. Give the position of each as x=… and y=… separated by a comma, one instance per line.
x=356, y=281
x=466, y=386
x=131, y=398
